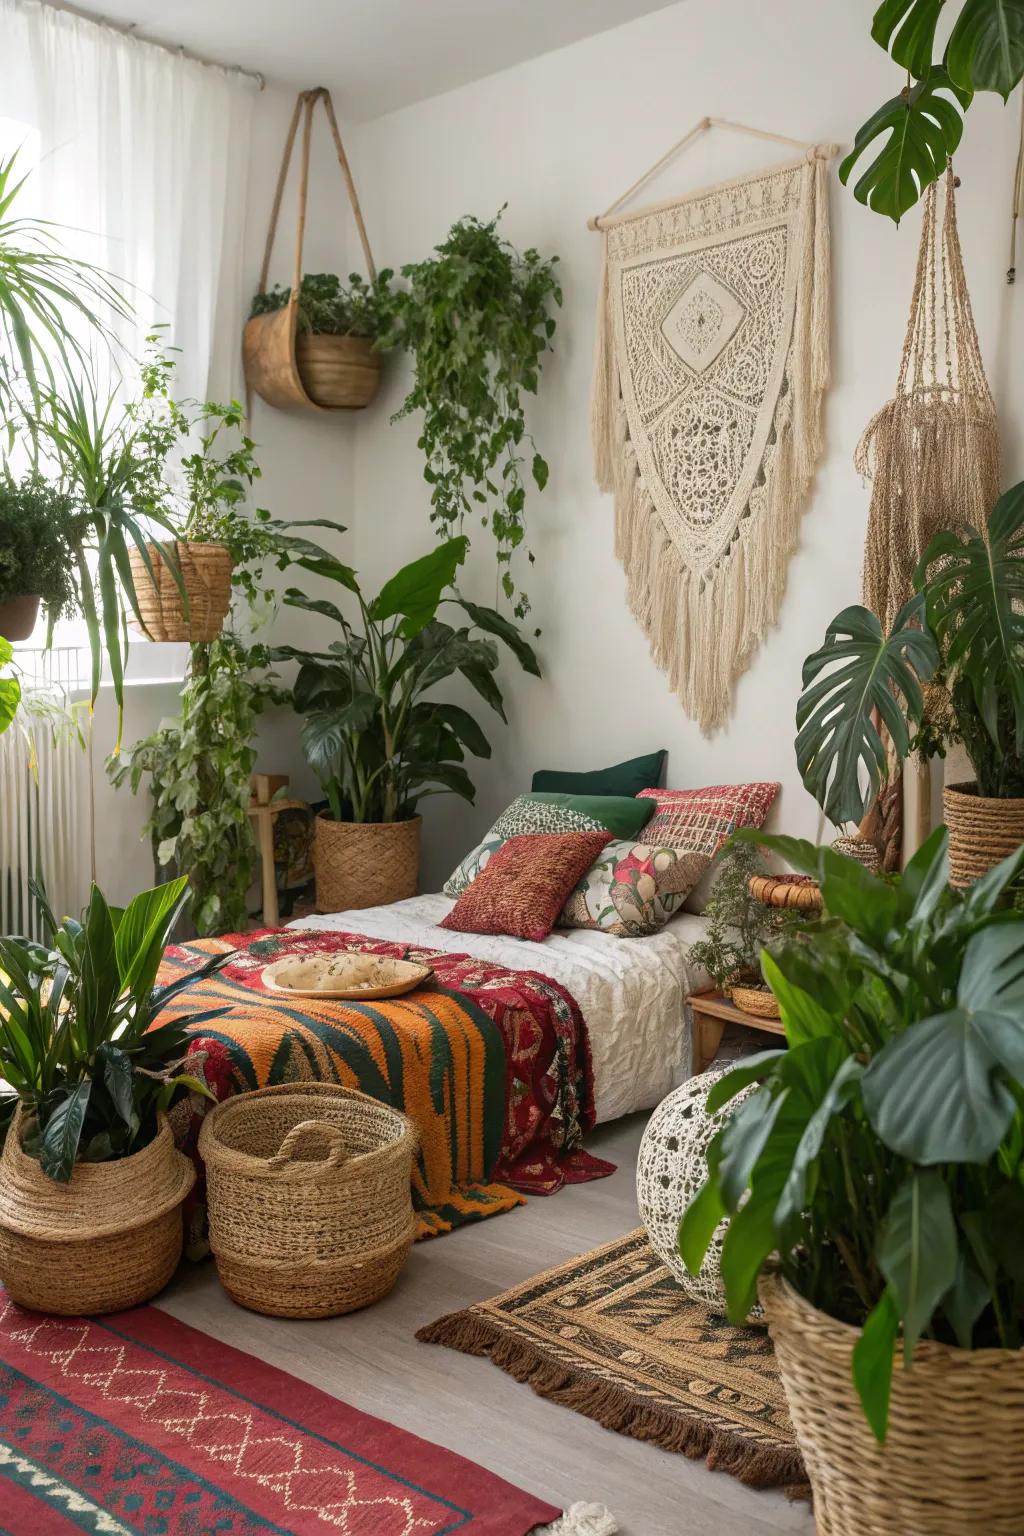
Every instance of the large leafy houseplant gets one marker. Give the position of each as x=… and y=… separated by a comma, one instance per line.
x=477, y=319
x=81, y=1043
x=963, y=632
x=882, y=1156
x=925, y=121
x=378, y=742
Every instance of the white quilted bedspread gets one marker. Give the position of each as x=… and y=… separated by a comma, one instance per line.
x=630, y=991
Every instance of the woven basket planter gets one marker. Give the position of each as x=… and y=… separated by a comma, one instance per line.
x=309, y=1190
x=108, y=1239
x=758, y=1002
x=982, y=832
x=18, y=617
x=290, y=369
x=800, y=893
x=364, y=863
x=953, y=1461
x=206, y=573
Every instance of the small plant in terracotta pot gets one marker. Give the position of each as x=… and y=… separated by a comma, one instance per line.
x=37, y=523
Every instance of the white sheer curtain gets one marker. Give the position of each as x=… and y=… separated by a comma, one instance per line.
x=144, y=153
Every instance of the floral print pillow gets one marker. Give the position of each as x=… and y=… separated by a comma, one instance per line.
x=633, y=889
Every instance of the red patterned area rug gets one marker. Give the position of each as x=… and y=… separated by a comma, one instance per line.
x=137, y=1425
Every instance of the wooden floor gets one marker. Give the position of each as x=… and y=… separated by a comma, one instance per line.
x=372, y=1360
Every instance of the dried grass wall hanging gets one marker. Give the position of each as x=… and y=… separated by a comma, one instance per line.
x=711, y=363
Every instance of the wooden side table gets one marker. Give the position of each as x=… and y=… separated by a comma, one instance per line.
x=712, y=1011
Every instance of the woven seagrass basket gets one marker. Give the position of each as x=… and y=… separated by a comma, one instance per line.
x=760, y=1003
x=108, y=1239
x=309, y=1192
x=365, y=863
x=982, y=832
x=860, y=848
x=953, y=1460
x=206, y=574
x=801, y=893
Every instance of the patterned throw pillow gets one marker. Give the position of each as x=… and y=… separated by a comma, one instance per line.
x=633, y=889
x=701, y=820
x=536, y=813
x=525, y=884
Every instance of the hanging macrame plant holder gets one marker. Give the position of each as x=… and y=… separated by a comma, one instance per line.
x=711, y=364
x=932, y=454
x=287, y=367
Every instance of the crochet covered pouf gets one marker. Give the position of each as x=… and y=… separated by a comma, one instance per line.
x=671, y=1168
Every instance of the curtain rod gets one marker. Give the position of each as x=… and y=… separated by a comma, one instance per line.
x=128, y=29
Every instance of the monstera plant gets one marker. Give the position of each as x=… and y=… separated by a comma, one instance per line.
x=962, y=633
x=925, y=121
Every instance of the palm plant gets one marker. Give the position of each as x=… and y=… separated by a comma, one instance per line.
x=377, y=742
x=77, y=1038
x=963, y=632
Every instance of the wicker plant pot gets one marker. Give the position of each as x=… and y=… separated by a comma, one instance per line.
x=953, y=1461
x=206, y=573
x=309, y=1190
x=18, y=617
x=982, y=832
x=290, y=369
x=108, y=1239
x=364, y=864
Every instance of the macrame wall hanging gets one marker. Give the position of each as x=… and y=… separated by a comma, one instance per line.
x=711, y=363
x=932, y=454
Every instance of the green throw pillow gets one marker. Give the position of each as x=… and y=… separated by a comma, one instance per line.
x=622, y=779
x=617, y=814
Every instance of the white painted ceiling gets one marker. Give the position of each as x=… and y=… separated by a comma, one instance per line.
x=375, y=55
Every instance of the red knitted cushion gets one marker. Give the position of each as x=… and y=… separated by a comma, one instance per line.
x=525, y=884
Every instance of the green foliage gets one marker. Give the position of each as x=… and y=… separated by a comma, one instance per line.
x=970, y=602
x=477, y=320
x=198, y=767
x=76, y=1037
x=326, y=308
x=10, y=688
x=985, y=52
x=884, y=1151
x=36, y=521
x=737, y=926
x=378, y=744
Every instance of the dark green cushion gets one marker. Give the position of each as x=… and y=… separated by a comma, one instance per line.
x=622, y=779
x=624, y=818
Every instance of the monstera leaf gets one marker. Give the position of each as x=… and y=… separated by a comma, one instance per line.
x=975, y=594
x=924, y=124
x=986, y=48
x=857, y=672
x=906, y=30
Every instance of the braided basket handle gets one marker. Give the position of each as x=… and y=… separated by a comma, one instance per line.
x=337, y=1153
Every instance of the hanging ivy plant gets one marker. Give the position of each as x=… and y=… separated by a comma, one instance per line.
x=476, y=318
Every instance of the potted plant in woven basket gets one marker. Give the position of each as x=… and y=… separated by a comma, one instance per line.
x=336, y=329
x=962, y=634
x=739, y=925
x=91, y=1185
x=875, y=1187
x=379, y=744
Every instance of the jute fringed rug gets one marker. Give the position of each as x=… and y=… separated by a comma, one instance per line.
x=611, y=1335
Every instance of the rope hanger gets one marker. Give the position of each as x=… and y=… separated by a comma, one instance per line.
x=601, y=220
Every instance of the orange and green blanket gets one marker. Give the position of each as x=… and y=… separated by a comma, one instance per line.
x=491, y=1065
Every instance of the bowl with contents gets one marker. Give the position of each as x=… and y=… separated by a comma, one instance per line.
x=349, y=974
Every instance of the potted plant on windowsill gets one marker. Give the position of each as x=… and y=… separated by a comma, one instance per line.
x=379, y=744
x=91, y=1184
x=875, y=1184
x=36, y=520
x=336, y=330
x=963, y=633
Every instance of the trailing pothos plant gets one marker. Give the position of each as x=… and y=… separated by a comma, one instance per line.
x=925, y=121
x=376, y=739
x=962, y=632
x=882, y=1155
x=197, y=767
x=327, y=308
x=477, y=319
x=10, y=687
x=80, y=1039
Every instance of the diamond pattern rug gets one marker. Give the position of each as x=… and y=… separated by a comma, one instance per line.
x=137, y=1425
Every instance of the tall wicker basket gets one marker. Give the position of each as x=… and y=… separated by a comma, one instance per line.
x=310, y=1204
x=365, y=863
x=982, y=831
x=953, y=1460
x=109, y=1239
x=206, y=575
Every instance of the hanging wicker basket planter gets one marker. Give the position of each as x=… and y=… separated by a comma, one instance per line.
x=285, y=366
x=205, y=571
x=365, y=863
x=953, y=1460
x=982, y=832
x=108, y=1239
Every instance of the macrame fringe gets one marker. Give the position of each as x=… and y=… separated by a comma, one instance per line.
x=582, y=1520
x=759, y=1466
x=705, y=625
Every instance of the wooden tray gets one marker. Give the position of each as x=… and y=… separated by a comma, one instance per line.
x=405, y=975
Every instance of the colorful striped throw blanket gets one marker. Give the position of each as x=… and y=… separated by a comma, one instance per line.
x=491, y=1065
